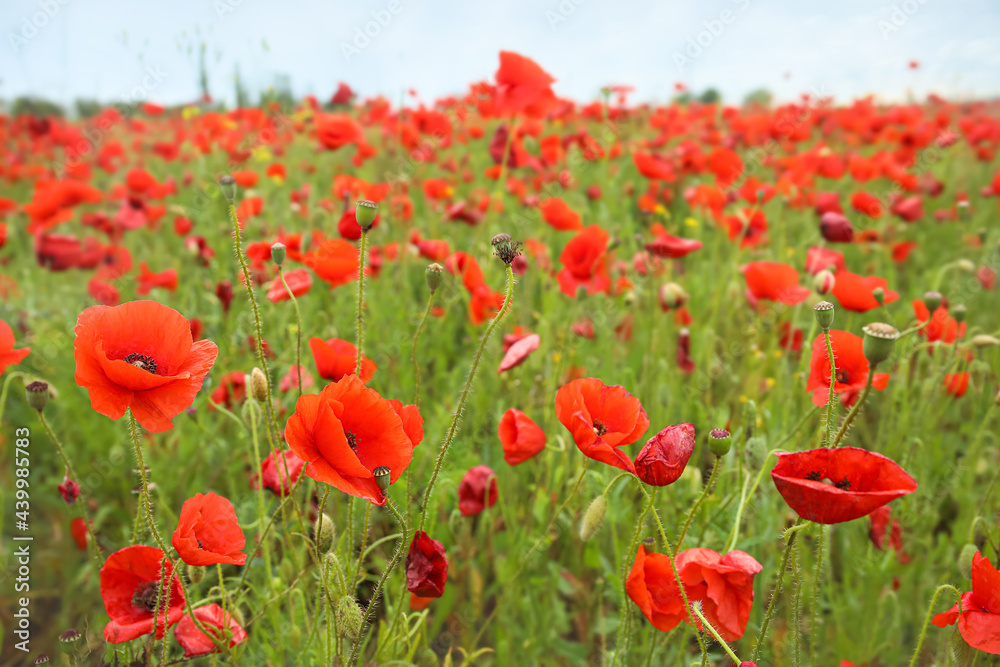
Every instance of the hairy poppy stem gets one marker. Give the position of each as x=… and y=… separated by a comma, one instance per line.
x=361, y=297
x=930, y=613
x=815, y=597
x=714, y=632
x=789, y=538
x=625, y=631
x=6, y=386
x=705, y=492
x=456, y=416
x=298, y=331
x=413, y=353
x=854, y=410
x=831, y=409
x=364, y=543
x=73, y=476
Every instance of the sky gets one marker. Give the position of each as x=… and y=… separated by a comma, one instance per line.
x=129, y=51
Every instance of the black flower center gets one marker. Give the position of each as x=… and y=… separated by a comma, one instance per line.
x=352, y=440
x=843, y=377
x=144, y=597
x=143, y=361
x=816, y=476
x=844, y=484
x=600, y=428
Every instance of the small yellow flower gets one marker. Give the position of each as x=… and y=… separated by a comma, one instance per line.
x=262, y=154
x=190, y=112
x=770, y=382
x=691, y=222
x=556, y=357
x=743, y=399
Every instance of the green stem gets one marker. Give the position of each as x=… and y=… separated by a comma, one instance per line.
x=831, y=408
x=930, y=613
x=6, y=386
x=413, y=354
x=453, y=428
x=705, y=492
x=854, y=410
x=715, y=633
x=625, y=631
x=364, y=542
x=298, y=330
x=815, y=596
x=789, y=538
x=361, y=298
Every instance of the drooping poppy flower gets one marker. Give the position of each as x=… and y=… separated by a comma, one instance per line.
x=344, y=433
x=299, y=281
x=140, y=356
x=979, y=620
x=773, y=281
x=791, y=338
x=882, y=536
x=854, y=292
x=584, y=262
x=684, y=360
x=518, y=352
x=413, y=421
x=8, y=355
x=749, y=226
x=520, y=436
x=208, y=532
x=78, y=531
x=276, y=471
x=664, y=456
x=653, y=167
x=290, y=380
x=852, y=369
x=232, y=390
x=336, y=358
x=148, y=280
x=942, y=327
x=69, y=490
x=559, y=215
x=477, y=491
x=837, y=485
x=668, y=246
x=217, y=621
x=957, y=384
x=819, y=259
x=334, y=261
x=522, y=86
x=418, y=603
x=130, y=579
x=601, y=419
x=426, y=566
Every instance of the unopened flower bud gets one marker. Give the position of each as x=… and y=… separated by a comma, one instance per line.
x=985, y=340
x=879, y=341
x=228, y=185
x=258, y=385
x=37, y=394
x=334, y=572
x=824, y=314
x=672, y=296
x=278, y=253
x=933, y=300
x=349, y=615
x=323, y=532
x=719, y=441
x=382, y=477
x=593, y=518
x=962, y=654
x=823, y=282
x=195, y=574
x=365, y=212
x=965, y=265
x=965, y=560
x=879, y=294
x=435, y=274
x=958, y=312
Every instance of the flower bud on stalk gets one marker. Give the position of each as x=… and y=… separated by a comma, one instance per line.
x=434, y=274
x=323, y=532
x=824, y=314
x=965, y=558
x=195, y=574
x=228, y=185
x=37, y=394
x=879, y=295
x=258, y=385
x=985, y=340
x=593, y=518
x=719, y=441
x=879, y=341
x=278, y=253
x=824, y=282
x=349, y=614
x=364, y=213
x=672, y=296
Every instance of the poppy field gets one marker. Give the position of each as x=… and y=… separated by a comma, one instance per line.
x=502, y=379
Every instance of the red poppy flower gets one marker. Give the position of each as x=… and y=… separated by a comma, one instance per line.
x=559, y=215
x=684, y=360
x=957, y=384
x=140, y=356
x=78, y=531
x=418, y=603
x=672, y=247
x=584, y=262
x=854, y=292
x=344, y=433
x=231, y=391
x=130, y=580
x=791, y=338
x=334, y=261
x=901, y=251
x=979, y=620
x=852, y=369
x=520, y=436
x=69, y=490
x=879, y=528
x=773, y=282
x=518, y=352
x=522, y=86
x=601, y=419
x=837, y=485
x=819, y=259
x=273, y=474
x=217, y=621
x=338, y=130
x=148, y=280
x=426, y=567
x=8, y=355
x=749, y=226
x=727, y=166
x=348, y=226
x=477, y=490
x=291, y=379
x=208, y=532
x=836, y=228
x=413, y=422
x=722, y=584
x=664, y=456
x=336, y=358
x=941, y=327
x=653, y=167
x=299, y=281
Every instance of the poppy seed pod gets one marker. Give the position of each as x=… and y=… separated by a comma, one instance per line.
x=434, y=274
x=506, y=248
x=824, y=282
x=195, y=574
x=879, y=341
x=933, y=300
x=719, y=441
x=824, y=314
x=258, y=385
x=382, y=475
x=37, y=394
x=278, y=253
x=228, y=185
x=365, y=213
x=70, y=635
x=958, y=313
x=593, y=518
x=324, y=531
x=985, y=340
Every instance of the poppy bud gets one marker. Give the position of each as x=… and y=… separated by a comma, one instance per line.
x=195, y=574
x=672, y=296
x=663, y=458
x=965, y=265
x=381, y=474
x=836, y=228
x=334, y=572
x=985, y=340
x=324, y=531
x=824, y=314
x=958, y=312
x=593, y=518
x=879, y=295
x=932, y=300
x=719, y=441
x=962, y=654
x=228, y=185
x=364, y=214
x=879, y=341
x=37, y=394
x=258, y=385
x=968, y=552
x=434, y=274
x=278, y=253
x=824, y=282
x=349, y=614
